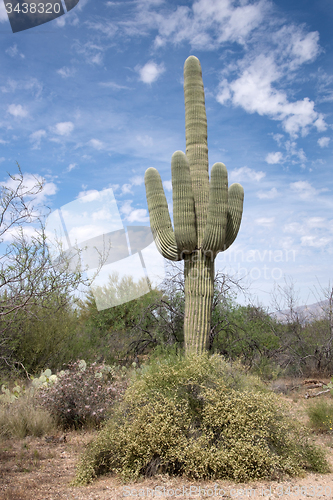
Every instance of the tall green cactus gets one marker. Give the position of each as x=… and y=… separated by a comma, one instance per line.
x=207, y=215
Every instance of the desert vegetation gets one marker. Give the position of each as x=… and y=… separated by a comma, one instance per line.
x=157, y=398
x=122, y=372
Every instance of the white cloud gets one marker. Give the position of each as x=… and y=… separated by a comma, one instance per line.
x=30, y=184
x=108, y=28
x=207, y=25
x=245, y=172
x=265, y=221
x=28, y=231
x=126, y=188
x=150, y=72
x=36, y=138
x=296, y=46
x=138, y=215
x=314, y=241
x=61, y=21
x=97, y=58
x=145, y=140
x=292, y=150
x=167, y=185
x=134, y=181
x=64, y=128
x=267, y=195
x=305, y=190
x=13, y=51
x=278, y=138
x=91, y=195
x=82, y=4
x=137, y=180
x=273, y=158
x=270, y=54
x=312, y=231
x=85, y=232
x=236, y=22
x=103, y=214
x=30, y=84
x=323, y=142
x=93, y=53
x=254, y=92
x=294, y=228
x=96, y=144
x=66, y=72
x=305, y=47
x=316, y=222
x=17, y=110
x=114, y=86
x=3, y=13
x=71, y=167
x=134, y=215
x=126, y=207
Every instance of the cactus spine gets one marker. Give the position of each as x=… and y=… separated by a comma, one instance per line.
x=207, y=215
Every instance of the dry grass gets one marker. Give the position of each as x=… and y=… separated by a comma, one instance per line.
x=22, y=418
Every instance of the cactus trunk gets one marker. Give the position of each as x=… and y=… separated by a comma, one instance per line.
x=199, y=292
x=207, y=215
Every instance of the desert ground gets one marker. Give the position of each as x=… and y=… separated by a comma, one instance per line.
x=43, y=468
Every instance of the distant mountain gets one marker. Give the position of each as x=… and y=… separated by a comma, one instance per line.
x=306, y=313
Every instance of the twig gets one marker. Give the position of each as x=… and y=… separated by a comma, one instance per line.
x=307, y=395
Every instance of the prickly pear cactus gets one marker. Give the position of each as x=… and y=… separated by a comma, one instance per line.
x=207, y=215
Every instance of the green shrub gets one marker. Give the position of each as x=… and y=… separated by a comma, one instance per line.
x=266, y=369
x=201, y=417
x=320, y=414
x=43, y=334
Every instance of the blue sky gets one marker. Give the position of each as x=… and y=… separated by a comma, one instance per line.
x=92, y=99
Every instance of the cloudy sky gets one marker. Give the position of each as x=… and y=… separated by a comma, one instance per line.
x=92, y=99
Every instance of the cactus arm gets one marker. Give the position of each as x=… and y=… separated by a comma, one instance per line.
x=183, y=204
x=215, y=233
x=235, y=211
x=160, y=221
x=196, y=140
x=207, y=215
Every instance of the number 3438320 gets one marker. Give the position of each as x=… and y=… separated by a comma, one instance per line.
x=34, y=8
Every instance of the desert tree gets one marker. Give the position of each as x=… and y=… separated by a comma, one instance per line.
x=29, y=279
x=167, y=312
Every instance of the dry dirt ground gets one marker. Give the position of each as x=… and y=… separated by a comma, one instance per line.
x=33, y=469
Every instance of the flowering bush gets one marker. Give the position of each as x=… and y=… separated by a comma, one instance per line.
x=82, y=395
x=202, y=418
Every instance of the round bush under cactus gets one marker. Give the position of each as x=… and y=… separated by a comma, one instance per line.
x=203, y=418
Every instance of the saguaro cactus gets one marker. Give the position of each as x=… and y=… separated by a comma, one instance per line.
x=207, y=215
